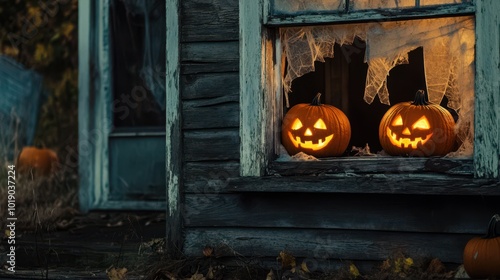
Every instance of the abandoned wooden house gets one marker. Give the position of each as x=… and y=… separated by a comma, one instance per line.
x=182, y=104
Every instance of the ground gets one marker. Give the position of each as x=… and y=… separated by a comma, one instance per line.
x=121, y=245
x=86, y=246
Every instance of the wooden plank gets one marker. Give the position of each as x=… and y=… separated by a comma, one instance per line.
x=209, y=177
x=213, y=67
x=359, y=165
x=209, y=57
x=326, y=244
x=209, y=20
x=201, y=114
x=426, y=184
x=405, y=213
x=210, y=145
x=252, y=79
x=370, y=15
x=95, y=107
x=174, y=239
x=210, y=85
x=210, y=52
x=487, y=90
x=85, y=160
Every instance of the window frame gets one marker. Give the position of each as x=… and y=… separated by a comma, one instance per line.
x=95, y=114
x=260, y=87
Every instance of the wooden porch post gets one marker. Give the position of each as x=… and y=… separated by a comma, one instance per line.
x=174, y=237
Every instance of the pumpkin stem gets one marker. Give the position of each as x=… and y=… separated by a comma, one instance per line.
x=316, y=101
x=492, y=233
x=421, y=98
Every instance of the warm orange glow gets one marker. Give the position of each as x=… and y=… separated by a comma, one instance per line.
x=398, y=121
x=422, y=123
x=406, y=142
x=309, y=144
x=297, y=124
x=320, y=124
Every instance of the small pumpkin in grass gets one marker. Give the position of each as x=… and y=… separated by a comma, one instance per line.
x=40, y=162
x=482, y=254
x=316, y=129
x=417, y=128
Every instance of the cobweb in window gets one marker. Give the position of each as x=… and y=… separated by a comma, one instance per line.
x=153, y=66
x=448, y=45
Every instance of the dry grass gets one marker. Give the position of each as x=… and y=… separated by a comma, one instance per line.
x=44, y=203
x=41, y=203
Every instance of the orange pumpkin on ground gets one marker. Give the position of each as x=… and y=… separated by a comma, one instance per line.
x=482, y=254
x=417, y=128
x=316, y=129
x=40, y=162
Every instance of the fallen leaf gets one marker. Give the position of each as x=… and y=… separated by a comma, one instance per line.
x=208, y=251
x=196, y=276
x=210, y=273
x=386, y=265
x=270, y=275
x=353, y=271
x=436, y=267
x=287, y=260
x=117, y=273
x=408, y=263
x=304, y=267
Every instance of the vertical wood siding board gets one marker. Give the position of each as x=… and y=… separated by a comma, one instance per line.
x=173, y=155
x=487, y=90
x=85, y=28
x=103, y=113
x=252, y=148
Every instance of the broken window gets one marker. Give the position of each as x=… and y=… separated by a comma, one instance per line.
x=445, y=49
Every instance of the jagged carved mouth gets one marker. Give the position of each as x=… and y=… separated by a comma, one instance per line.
x=320, y=144
x=406, y=142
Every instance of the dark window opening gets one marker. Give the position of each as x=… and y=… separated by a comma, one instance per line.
x=138, y=63
x=342, y=79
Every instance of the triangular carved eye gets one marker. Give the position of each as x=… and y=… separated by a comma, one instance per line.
x=320, y=124
x=297, y=124
x=422, y=123
x=398, y=121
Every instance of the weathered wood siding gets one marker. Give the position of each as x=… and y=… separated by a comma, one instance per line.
x=340, y=210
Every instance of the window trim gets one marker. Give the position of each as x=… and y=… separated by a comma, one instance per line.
x=366, y=15
x=95, y=113
x=258, y=87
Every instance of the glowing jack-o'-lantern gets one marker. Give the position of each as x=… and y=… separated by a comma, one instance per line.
x=316, y=129
x=417, y=128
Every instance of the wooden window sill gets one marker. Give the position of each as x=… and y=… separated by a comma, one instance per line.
x=380, y=175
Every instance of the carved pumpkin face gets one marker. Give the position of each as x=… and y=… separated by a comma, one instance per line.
x=315, y=129
x=417, y=128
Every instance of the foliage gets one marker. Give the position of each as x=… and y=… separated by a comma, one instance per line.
x=42, y=35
